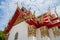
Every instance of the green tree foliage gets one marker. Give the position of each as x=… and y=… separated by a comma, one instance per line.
x=2, y=36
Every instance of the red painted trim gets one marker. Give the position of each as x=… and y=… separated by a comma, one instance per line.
x=52, y=25
x=10, y=24
x=31, y=22
x=46, y=16
x=57, y=24
x=54, y=19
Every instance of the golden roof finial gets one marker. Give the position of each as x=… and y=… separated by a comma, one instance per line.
x=17, y=4
x=30, y=9
x=22, y=5
x=25, y=10
x=55, y=11
x=49, y=9
x=18, y=7
x=34, y=13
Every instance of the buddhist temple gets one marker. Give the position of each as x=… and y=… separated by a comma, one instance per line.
x=24, y=25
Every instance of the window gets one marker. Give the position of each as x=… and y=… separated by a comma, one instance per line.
x=16, y=36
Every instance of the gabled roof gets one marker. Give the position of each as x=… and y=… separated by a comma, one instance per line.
x=12, y=21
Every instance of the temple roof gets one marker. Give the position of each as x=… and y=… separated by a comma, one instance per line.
x=19, y=16
x=12, y=21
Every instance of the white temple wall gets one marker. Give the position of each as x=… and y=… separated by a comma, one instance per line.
x=22, y=29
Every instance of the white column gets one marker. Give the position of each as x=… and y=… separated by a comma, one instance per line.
x=45, y=38
x=51, y=34
x=32, y=38
x=38, y=34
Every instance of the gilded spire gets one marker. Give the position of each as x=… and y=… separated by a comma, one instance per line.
x=30, y=9
x=48, y=9
x=22, y=4
x=34, y=13
x=55, y=11
x=18, y=6
x=24, y=9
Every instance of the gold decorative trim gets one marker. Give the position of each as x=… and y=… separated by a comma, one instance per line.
x=31, y=30
x=44, y=31
x=56, y=31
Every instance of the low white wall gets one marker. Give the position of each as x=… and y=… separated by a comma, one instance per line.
x=22, y=29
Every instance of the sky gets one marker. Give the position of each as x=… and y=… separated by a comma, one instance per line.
x=8, y=7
